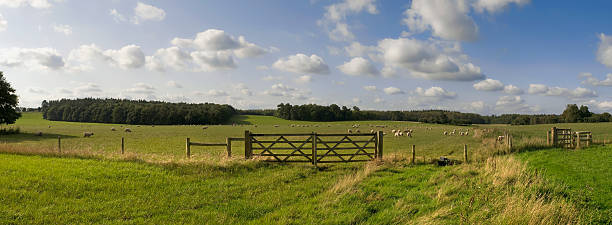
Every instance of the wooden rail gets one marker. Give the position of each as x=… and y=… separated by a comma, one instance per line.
x=227, y=144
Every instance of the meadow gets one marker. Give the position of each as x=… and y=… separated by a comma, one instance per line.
x=90, y=182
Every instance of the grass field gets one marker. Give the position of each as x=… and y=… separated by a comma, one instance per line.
x=585, y=173
x=154, y=183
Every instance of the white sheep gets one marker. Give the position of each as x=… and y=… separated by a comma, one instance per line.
x=127, y=130
x=204, y=128
x=372, y=131
x=500, y=138
x=113, y=129
x=350, y=131
x=445, y=133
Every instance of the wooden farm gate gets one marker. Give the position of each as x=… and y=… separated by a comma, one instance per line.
x=559, y=137
x=314, y=148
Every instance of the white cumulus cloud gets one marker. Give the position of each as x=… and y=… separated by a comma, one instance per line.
x=493, y=6
x=3, y=23
x=604, y=52
x=435, y=92
x=32, y=58
x=303, y=64
x=513, y=90
x=447, y=19
x=145, y=12
x=393, y=91
x=489, y=85
x=359, y=66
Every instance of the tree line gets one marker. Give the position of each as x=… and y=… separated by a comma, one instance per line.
x=135, y=112
x=312, y=112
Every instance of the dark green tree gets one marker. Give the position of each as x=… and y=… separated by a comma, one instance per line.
x=8, y=102
x=571, y=113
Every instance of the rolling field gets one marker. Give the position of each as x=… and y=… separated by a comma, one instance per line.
x=155, y=183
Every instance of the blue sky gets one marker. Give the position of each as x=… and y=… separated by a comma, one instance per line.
x=483, y=56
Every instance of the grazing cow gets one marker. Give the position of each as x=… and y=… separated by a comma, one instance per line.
x=88, y=134
x=127, y=130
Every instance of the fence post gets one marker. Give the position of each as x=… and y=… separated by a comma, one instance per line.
x=122, y=145
x=465, y=153
x=228, y=147
x=589, y=139
x=548, y=137
x=553, y=131
x=247, y=145
x=510, y=143
x=577, y=140
x=413, y=155
x=59, y=144
x=380, y=145
x=188, y=148
x=314, y=149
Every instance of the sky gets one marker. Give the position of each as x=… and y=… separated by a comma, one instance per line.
x=481, y=56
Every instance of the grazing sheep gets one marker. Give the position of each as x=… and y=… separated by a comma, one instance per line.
x=254, y=125
x=137, y=125
x=445, y=133
x=392, y=131
x=276, y=125
x=357, y=131
x=204, y=128
x=49, y=126
x=349, y=131
x=500, y=138
x=39, y=133
x=128, y=130
x=408, y=134
x=372, y=131
x=88, y=134
x=113, y=129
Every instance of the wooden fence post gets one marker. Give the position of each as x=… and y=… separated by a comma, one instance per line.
x=247, y=145
x=314, y=149
x=589, y=139
x=188, y=148
x=577, y=140
x=413, y=155
x=122, y=145
x=380, y=145
x=553, y=132
x=465, y=153
x=510, y=143
x=59, y=144
x=228, y=147
x=548, y=138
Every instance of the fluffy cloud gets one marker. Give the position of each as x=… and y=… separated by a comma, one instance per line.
x=172, y=57
x=356, y=49
x=32, y=58
x=304, y=79
x=370, y=88
x=477, y=106
x=435, y=92
x=393, y=91
x=512, y=90
x=589, y=79
x=447, y=19
x=141, y=88
x=489, y=85
x=300, y=63
x=211, y=61
x=427, y=59
x=578, y=93
x=128, y=57
x=281, y=90
x=213, y=40
x=336, y=14
x=144, y=12
x=3, y=23
x=359, y=66
x=209, y=40
x=604, y=52
x=217, y=93
x=87, y=89
x=38, y=4
x=62, y=28
x=512, y=104
x=242, y=88
x=493, y=6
